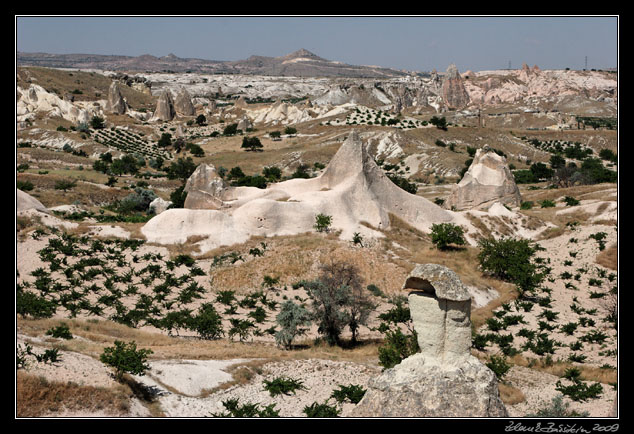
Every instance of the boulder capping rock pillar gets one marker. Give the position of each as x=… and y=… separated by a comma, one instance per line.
x=444, y=379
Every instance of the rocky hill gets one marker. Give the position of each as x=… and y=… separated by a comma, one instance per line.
x=299, y=63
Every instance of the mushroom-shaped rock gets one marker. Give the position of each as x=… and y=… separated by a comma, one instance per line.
x=440, y=306
x=444, y=379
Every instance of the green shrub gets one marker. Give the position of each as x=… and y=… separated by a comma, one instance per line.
x=283, y=386
x=240, y=327
x=376, y=291
x=230, y=130
x=65, y=185
x=352, y=393
x=33, y=305
x=126, y=358
x=208, y=323
x=580, y=391
x=510, y=260
x=321, y=410
x=498, y=365
x=246, y=410
x=61, y=331
x=322, y=223
x=396, y=347
x=24, y=185
x=444, y=234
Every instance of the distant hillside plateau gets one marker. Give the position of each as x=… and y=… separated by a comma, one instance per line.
x=300, y=63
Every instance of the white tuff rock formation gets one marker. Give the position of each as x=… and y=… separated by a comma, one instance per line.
x=165, y=107
x=444, y=379
x=36, y=99
x=488, y=180
x=352, y=189
x=116, y=103
x=183, y=103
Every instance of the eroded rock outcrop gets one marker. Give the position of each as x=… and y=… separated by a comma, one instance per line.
x=488, y=180
x=352, y=189
x=453, y=91
x=183, y=103
x=165, y=107
x=116, y=103
x=204, y=188
x=444, y=379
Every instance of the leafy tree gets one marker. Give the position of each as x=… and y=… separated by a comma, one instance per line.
x=290, y=131
x=338, y=301
x=409, y=187
x=524, y=177
x=275, y=135
x=444, y=234
x=293, y=319
x=609, y=155
x=178, y=197
x=126, y=358
x=139, y=200
x=196, y=150
x=181, y=169
x=272, y=173
x=251, y=143
x=359, y=305
x=541, y=171
x=165, y=140
x=235, y=173
x=510, y=260
x=557, y=162
x=329, y=309
x=201, y=120
x=301, y=172
x=594, y=172
x=440, y=123
x=230, y=130
x=97, y=123
x=65, y=185
x=207, y=323
x=125, y=164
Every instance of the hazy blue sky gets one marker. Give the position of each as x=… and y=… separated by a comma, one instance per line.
x=414, y=43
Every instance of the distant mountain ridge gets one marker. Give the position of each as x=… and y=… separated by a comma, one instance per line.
x=301, y=63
